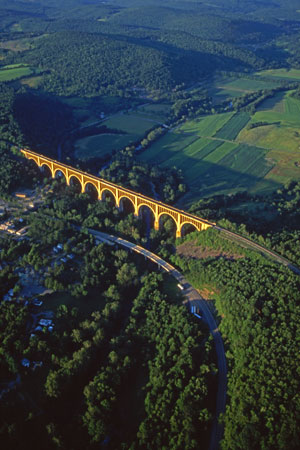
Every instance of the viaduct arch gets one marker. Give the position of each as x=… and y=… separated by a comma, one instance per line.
x=158, y=208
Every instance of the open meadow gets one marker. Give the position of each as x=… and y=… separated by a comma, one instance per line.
x=209, y=165
x=15, y=72
x=225, y=88
x=132, y=122
x=281, y=74
x=280, y=133
x=101, y=145
x=230, y=152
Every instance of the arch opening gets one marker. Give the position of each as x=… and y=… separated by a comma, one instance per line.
x=187, y=228
x=59, y=175
x=146, y=215
x=108, y=196
x=91, y=190
x=167, y=223
x=46, y=171
x=75, y=184
x=126, y=205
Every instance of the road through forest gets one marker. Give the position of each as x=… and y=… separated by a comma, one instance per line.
x=192, y=297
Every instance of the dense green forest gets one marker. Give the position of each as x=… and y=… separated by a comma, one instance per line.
x=126, y=346
x=259, y=305
x=124, y=364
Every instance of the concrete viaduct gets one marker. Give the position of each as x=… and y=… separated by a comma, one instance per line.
x=102, y=186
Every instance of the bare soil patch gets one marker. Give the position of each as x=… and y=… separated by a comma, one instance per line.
x=191, y=250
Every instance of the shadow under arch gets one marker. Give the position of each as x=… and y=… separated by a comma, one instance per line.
x=167, y=222
x=59, y=175
x=46, y=170
x=187, y=228
x=142, y=205
x=75, y=183
x=91, y=190
x=126, y=205
x=108, y=196
x=146, y=214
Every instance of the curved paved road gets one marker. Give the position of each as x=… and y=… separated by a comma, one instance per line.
x=192, y=298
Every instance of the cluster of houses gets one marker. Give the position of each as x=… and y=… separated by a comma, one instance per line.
x=43, y=323
x=12, y=227
x=58, y=248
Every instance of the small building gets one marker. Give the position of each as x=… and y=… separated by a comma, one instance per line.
x=59, y=246
x=36, y=364
x=45, y=322
x=25, y=362
x=37, y=302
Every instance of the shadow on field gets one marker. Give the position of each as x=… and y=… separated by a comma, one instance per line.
x=206, y=179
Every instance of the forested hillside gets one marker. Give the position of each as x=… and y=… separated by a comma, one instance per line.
x=259, y=306
x=193, y=103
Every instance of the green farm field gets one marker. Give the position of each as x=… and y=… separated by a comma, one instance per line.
x=134, y=123
x=101, y=145
x=15, y=72
x=226, y=88
x=220, y=154
x=232, y=128
x=244, y=85
x=206, y=125
x=210, y=166
x=285, y=74
x=283, y=131
x=158, y=111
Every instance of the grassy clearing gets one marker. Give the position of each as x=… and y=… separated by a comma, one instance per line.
x=101, y=145
x=274, y=137
x=233, y=127
x=130, y=123
x=246, y=159
x=284, y=109
x=211, y=166
x=207, y=125
x=275, y=103
x=223, y=89
x=220, y=151
x=157, y=111
x=242, y=85
x=16, y=45
x=290, y=74
x=33, y=82
x=247, y=85
x=10, y=73
x=166, y=147
x=286, y=166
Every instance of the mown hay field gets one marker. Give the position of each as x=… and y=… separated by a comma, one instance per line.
x=131, y=123
x=101, y=145
x=14, y=72
x=290, y=74
x=206, y=125
x=232, y=128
